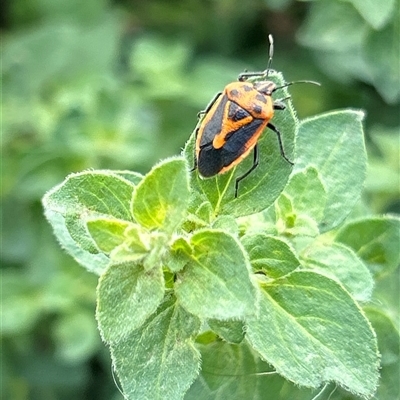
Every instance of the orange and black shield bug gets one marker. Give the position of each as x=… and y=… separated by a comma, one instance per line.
x=234, y=120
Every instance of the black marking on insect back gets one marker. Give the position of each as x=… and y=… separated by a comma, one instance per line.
x=209, y=162
x=248, y=88
x=234, y=93
x=257, y=108
x=236, y=113
x=236, y=141
x=262, y=98
x=214, y=125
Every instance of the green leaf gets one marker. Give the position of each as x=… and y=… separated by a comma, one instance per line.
x=333, y=144
x=131, y=176
x=302, y=204
x=375, y=240
x=215, y=282
x=161, y=198
x=226, y=223
x=107, y=233
x=126, y=296
x=332, y=25
x=159, y=361
x=82, y=197
x=389, y=345
x=313, y=332
x=260, y=189
x=341, y=263
x=270, y=254
x=376, y=13
x=18, y=313
x=236, y=372
x=228, y=372
x=231, y=331
x=381, y=52
x=125, y=243
x=178, y=256
x=76, y=337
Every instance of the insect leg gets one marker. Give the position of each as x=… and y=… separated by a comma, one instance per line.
x=244, y=75
x=279, y=103
x=273, y=128
x=253, y=167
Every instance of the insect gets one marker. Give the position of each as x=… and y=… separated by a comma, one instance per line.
x=234, y=120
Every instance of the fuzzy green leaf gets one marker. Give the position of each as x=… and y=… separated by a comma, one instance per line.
x=215, y=282
x=313, y=332
x=177, y=257
x=107, y=233
x=375, y=240
x=389, y=347
x=269, y=254
x=301, y=205
x=161, y=198
x=333, y=144
x=82, y=197
x=127, y=295
x=159, y=361
x=236, y=372
x=341, y=263
x=231, y=331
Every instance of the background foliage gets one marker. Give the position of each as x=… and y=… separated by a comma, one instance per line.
x=117, y=85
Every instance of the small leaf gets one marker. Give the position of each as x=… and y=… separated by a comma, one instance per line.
x=215, y=282
x=159, y=361
x=307, y=193
x=161, y=198
x=381, y=52
x=333, y=144
x=389, y=345
x=307, y=198
x=126, y=296
x=260, y=189
x=76, y=337
x=231, y=331
x=269, y=254
x=226, y=223
x=131, y=176
x=178, y=257
x=125, y=254
x=375, y=13
x=79, y=198
x=313, y=332
x=236, y=372
x=375, y=240
x=341, y=263
x=107, y=233
x=333, y=25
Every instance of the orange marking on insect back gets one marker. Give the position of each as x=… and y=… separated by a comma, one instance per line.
x=228, y=127
x=245, y=95
x=249, y=147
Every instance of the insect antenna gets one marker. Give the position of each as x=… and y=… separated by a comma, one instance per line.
x=270, y=54
x=295, y=82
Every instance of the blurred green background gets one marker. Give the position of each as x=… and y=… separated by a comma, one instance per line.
x=117, y=85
